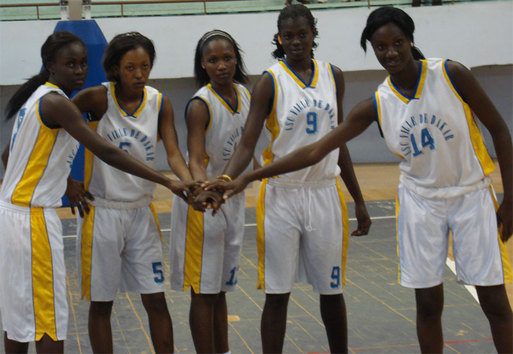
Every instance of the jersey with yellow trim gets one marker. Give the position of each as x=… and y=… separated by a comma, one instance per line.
x=225, y=125
x=40, y=157
x=434, y=132
x=301, y=114
x=136, y=133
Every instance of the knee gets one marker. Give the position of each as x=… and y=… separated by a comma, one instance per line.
x=100, y=308
x=430, y=302
x=154, y=303
x=494, y=301
x=277, y=301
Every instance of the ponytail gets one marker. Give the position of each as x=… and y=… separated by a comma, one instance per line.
x=24, y=92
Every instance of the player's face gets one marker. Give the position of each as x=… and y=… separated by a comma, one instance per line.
x=69, y=68
x=296, y=38
x=220, y=62
x=134, y=69
x=392, y=48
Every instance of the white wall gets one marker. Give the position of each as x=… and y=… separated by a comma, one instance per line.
x=476, y=34
x=480, y=35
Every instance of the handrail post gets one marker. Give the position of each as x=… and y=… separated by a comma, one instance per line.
x=205, y=7
x=37, y=11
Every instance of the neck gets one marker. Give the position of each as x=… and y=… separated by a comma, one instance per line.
x=127, y=95
x=408, y=77
x=300, y=64
x=225, y=90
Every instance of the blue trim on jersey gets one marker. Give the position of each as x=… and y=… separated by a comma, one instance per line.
x=450, y=78
x=226, y=101
x=377, y=115
x=41, y=115
x=161, y=103
x=274, y=93
x=299, y=77
x=206, y=106
x=334, y=78
x=416, y=85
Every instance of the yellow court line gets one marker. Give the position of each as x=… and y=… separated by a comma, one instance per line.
x=381, y=302
x=241, y=338
x=121, y=330
x=249, y=297
x=306, y=311
x=140, y=323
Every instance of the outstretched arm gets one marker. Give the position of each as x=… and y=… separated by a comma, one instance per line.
x=167, y=132
x=346, y=167
x=472, y=93
x=261, y=101
x=60, y=112
x=360, y=117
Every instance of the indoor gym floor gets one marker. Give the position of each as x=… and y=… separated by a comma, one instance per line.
x=381, y=313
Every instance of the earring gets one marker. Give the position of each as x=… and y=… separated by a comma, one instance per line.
x=412, y=45
x=279, y=40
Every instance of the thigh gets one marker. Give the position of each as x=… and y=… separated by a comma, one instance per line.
x=479, y=253
x=142, y=269
x=278, y=233
x=423, y=239
x=325, y=239
x=234, y=235
x=33, y=280
x=100, y=243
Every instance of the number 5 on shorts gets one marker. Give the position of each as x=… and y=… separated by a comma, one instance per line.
x=335, y=275
x=157, y=270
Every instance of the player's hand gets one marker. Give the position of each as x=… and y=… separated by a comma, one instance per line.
x=78, y=197
x=227, y=188
x=505, y=219
x=180, y=189
x=208, y=200
x=364, y=221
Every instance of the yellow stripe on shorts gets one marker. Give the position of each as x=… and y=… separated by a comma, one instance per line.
x=260, y=213
x=506, y=264
x=193, y=250
x=87, y=252
x=42, y=276
x=345, y=225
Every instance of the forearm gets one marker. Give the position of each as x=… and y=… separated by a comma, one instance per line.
x=348, y=175
x=198, y=170
x=239, y=160
x=179, y=167
x=125, y=162
x=296, y=160
x=503, y=148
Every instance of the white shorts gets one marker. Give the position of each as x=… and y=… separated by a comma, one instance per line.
x=424, y=225
x=204, y=249
x=302, y=235
x=32, y=277
x=119, y=250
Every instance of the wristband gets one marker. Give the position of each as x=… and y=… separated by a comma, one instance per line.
x=225, y=178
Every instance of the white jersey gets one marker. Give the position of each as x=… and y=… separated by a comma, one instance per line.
x=40, y=157
x=301, y=114
x=435, y=134
x=225, y=125
x=134, y=133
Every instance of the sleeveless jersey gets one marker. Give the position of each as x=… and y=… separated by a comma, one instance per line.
x=40, y=157
x=434, y=133
x=225, y=125
x=134, y=133
x=301, y=114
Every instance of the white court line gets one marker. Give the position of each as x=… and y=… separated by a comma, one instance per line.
x=471, y=289
x=450, y=263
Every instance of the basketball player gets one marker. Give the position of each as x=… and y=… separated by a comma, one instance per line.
x=302, y=222
x=426, y=111
x=42, y=148
x=119, y=244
